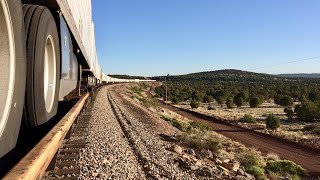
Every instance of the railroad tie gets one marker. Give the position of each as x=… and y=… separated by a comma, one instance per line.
x=66, y=165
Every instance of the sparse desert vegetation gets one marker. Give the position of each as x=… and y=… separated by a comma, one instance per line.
x=199, y=136
x=231, y=94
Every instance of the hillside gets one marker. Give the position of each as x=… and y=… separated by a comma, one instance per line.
x=301, y=75
x=222, y=75
x=124, y=76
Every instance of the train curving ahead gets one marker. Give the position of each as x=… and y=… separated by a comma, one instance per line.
x=47, y=50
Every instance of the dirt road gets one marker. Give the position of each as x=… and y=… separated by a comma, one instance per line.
x=306, y=158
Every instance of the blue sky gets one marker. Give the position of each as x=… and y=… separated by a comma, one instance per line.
x=156, y=37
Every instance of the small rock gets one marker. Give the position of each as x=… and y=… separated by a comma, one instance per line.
x=232, y=165
x=249, y=176
x=218, y=161
x=206, y=153
x=226, y=160
x=198, y=163
x=182, y=164
x=233, y=173
x=205, y=171
x=238, y=177
x=223, y=168
x=235, y=165
x=240, y=172
x=177, y=149
x=190, y=151
x=194, y=167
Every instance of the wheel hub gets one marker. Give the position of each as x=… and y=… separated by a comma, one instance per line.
x=49, y=73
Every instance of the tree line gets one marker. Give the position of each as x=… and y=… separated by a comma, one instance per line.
x=235, y=88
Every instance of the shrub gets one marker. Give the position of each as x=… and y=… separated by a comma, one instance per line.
x=289, y=112
x=238, y=101
x=175, y=123
x=308, y=111
x=194, y=104
x=254, y=102
x=314, y=95
x=313, y=128
x=137, y=90
x=174, y=99
x=199, y=125
x=197, y=96
x=230, y=103
x=207, y=99
x=272, y=121
x=285, y=167
x=200, y=140
x=247, y=118
x=249, y=158
x=211, y=107
x=286, y=101
x=150, y=102
x=258, y=172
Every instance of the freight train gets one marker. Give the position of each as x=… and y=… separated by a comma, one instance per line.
x=47, y=50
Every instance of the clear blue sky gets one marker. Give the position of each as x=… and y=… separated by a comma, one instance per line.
x=156, y=37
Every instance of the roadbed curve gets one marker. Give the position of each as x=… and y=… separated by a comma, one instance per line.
x=308, y=159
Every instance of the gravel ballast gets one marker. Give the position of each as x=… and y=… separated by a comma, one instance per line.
x=128, y=141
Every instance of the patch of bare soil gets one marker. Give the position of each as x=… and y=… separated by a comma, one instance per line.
x=290, y=130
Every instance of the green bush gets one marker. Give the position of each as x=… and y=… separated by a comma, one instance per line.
x=174, y=99
x=207, y=99
x=238, y=101
x=247, y=118
x=258, y=172
x=272, y=121
x=286, y=101
x=313, y=128
x=249, y=158
x=194, y=104
x=308, y=111
x=230, y=103
x=254, y=102
x=285, y=167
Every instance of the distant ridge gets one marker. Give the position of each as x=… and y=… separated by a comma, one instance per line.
x=301, y=75
x=223, y=75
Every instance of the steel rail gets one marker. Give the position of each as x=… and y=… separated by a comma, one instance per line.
x=35, y=163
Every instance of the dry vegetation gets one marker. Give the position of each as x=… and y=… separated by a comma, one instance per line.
x=200, y=137
x=305, y=133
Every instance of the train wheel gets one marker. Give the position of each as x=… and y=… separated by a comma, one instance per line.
x=12, y=79
x=43, y=65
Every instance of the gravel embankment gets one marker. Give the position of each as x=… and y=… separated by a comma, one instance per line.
x=127, y=141
x=108, y=153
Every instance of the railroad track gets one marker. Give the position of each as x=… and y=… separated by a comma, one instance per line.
x=59, y=149
x=124, y=123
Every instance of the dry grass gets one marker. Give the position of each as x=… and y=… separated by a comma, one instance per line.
x=200, y=140
x=272, y=156
x=250, y=157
